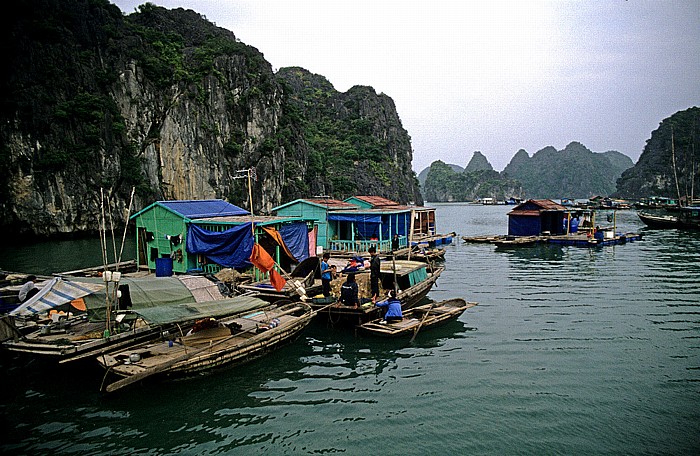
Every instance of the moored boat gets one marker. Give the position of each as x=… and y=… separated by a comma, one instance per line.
x=209, y=344
x=418, y=319
x=304, y=280
x=412, y=279
x=658, y=221
x=70, y=319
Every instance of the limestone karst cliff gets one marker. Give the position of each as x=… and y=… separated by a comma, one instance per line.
x=166, y=102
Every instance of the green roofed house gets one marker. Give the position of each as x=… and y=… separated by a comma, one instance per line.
x=207, y=235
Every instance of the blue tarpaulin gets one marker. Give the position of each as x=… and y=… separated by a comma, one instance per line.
x=367, y=225
x=296, y=238
x=524, y=225
x=230, y=248
x=203, y=208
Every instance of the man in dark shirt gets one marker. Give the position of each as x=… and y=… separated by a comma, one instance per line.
x=349, y=292
x=374, y=273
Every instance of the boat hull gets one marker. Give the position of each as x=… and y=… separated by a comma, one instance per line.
x=211, y=348
x=340, y=315
x=418, y=319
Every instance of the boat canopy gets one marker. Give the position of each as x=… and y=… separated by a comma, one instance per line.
x=137, y=293
x=196, y=310
x=54, y=293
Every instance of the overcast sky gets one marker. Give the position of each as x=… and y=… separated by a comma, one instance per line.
x=493, y=76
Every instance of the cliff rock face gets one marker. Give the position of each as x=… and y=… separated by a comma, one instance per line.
x=167, y=103
x=356, y=143
x=677, y=139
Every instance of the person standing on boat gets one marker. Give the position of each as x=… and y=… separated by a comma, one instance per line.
x=326, y=275
x=393, y=308
x=395, y=243
x=374, y=273
x=28, y=289
x=349, y=292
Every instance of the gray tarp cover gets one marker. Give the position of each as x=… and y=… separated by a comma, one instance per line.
x=148, y=292
x=196, y=310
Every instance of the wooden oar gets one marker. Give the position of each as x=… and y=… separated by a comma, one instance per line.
x=421, y=322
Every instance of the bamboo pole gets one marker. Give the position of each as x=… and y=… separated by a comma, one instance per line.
x=675, y=173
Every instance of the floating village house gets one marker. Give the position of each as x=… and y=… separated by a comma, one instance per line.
x=536, y=217
x=359, y=222
x=207, y=235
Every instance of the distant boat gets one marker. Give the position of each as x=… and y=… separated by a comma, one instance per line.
x=688, y=218
x=418, y=318
x=658, y=221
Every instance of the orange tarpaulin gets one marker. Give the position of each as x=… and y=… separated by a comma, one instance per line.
x=263, y=261
x=278, y=238
x=277, y=280
x=79, y=304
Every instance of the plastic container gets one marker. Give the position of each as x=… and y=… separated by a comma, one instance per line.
x=164, y=267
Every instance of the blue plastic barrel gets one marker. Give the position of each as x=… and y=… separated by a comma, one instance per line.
x=164, y=267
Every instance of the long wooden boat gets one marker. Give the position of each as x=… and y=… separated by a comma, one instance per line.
x=514, y=241
x=209, y=344
x=413, y=279
x=427, y=255
x=417, y=319
x=658, y=221
x=51, y=328
x=483, y=239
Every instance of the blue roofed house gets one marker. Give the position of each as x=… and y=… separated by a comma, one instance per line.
x=206, y=235
x=359, y=222
x=535, y=217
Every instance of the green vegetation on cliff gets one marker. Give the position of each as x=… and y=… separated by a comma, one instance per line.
x=443, y=184
x=574, y=172
x=169, y=103
x=654, y=173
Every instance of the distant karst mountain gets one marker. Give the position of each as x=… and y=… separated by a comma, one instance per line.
x=444, y=184
x=423, y=175
x=575, y=172
x=478, y=163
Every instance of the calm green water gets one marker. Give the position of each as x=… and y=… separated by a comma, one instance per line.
x=570, y=351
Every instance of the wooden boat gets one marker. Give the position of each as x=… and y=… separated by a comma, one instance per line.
x=51, y=328
x=413, y=279
x=658, y=221
x=213, y=343
x=418, y=318
x=483, y=239
x=304, y=280
x=515, y=241
x=426, y=254
x=689, y=217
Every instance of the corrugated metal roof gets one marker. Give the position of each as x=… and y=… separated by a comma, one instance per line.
x=377, y=201
x=196, y=209
x=331, y=203
x=543, y=204
x=527, y=213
